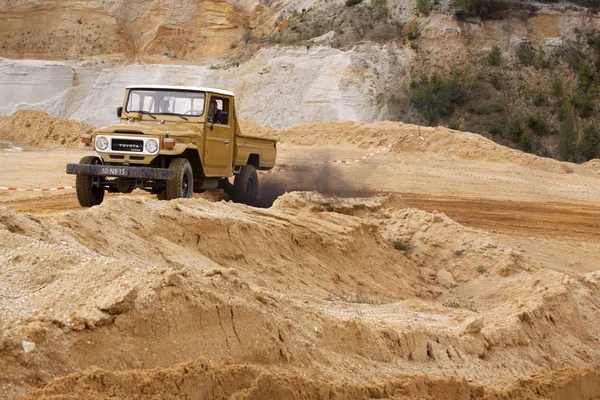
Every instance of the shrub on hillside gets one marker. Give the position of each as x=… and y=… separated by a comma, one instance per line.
x=438, y=96
x=558, y=88
x=585, y=96
x=589, y=147
x=527, y=144
x=540, y=99
x=526, y=53
x=414, y=33
x=352, y=3
x=423, y=7
x=585, y=101
x=568, y=134
x=495, y=127
x=478, y=8
x=539, y=125
x=515, y=129
x=495, y=56
x=496, y=81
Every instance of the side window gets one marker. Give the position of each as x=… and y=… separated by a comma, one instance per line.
x=218, y=105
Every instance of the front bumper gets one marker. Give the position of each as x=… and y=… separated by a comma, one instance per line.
x=162, y=174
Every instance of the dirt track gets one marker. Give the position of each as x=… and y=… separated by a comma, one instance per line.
x=544, y=220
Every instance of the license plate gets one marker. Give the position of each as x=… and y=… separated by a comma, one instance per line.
x=113, y=171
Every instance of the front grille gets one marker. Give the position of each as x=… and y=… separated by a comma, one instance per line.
x=129, y=145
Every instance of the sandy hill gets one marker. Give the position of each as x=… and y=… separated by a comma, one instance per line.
x=307, y=288
x=37, y=129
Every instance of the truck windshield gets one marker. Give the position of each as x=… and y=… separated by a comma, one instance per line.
x=170, y=102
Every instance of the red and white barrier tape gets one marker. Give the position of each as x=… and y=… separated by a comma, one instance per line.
x=337, y=161
x=37, y=190
x=273, y=171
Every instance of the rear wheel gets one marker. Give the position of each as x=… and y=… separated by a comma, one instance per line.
x=88, y=195
x=162, y=195
x=245, y=186
x=182, y=184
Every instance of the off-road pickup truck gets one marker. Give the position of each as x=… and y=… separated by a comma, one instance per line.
x=173, y=141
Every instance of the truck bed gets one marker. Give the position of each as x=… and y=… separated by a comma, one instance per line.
x=265, y=149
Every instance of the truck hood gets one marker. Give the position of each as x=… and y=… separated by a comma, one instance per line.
x=153, y=128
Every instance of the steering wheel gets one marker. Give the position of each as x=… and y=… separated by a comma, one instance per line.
x=192, y=112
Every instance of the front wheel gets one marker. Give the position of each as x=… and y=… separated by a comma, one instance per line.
x=88, y=195
x=245, y=186
x=182, y=184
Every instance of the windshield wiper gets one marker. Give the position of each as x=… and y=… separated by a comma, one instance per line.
x=147, y=113
x=179, y=115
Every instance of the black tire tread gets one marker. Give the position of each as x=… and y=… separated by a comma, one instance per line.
x=173, y=189
x=85, y=193
x=240, y=185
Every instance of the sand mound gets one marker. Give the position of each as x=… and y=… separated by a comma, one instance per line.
x=350, y=292
x=251, y=128
x=199, y=379
x=411, y=138
x=38, y=129
x=594, y=165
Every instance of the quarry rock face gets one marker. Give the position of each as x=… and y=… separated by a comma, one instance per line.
x=277, y=87
x=101, y=47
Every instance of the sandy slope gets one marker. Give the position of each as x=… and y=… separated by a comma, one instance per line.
x=309, y=298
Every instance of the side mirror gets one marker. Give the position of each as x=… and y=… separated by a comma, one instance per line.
x=119, y=111
x=224, y=118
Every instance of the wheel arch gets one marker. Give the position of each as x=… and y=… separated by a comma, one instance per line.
x=254, y=160
x=194, y=158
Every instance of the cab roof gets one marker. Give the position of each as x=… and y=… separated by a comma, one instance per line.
x=188, y=88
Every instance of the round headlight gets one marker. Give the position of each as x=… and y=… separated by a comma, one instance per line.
x=102, y=143
x=151, y=146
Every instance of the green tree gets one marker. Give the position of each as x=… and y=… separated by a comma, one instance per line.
x=495, y=56
x=568, y=134
x=589, y=147
x=515, y=130
x=480, y=8
x=527, y=143
x=585, y=100
x=587, y=75
x=557, y=88
x=352, y=3
x=438, y=96
x=423, y=7
x=539, y=125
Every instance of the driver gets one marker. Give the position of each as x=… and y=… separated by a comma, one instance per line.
x=214, y=108
x=164, y=106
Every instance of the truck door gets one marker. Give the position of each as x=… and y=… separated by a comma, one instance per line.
x=218, y=144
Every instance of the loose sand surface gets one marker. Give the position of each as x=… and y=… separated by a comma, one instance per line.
x=446, y=267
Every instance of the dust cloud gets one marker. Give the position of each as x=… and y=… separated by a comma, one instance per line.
x=324, y=179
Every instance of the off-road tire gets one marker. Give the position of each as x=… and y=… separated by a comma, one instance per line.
x=87, y=195
x=182, y=184
x=245, y=186
x=162, y=195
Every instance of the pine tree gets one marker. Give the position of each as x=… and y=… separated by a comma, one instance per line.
x=566, y=146
x=589, y=147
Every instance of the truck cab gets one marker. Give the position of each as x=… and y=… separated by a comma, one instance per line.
x=173, y=141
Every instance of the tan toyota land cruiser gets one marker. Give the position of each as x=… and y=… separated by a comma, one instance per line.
x=173, y=141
